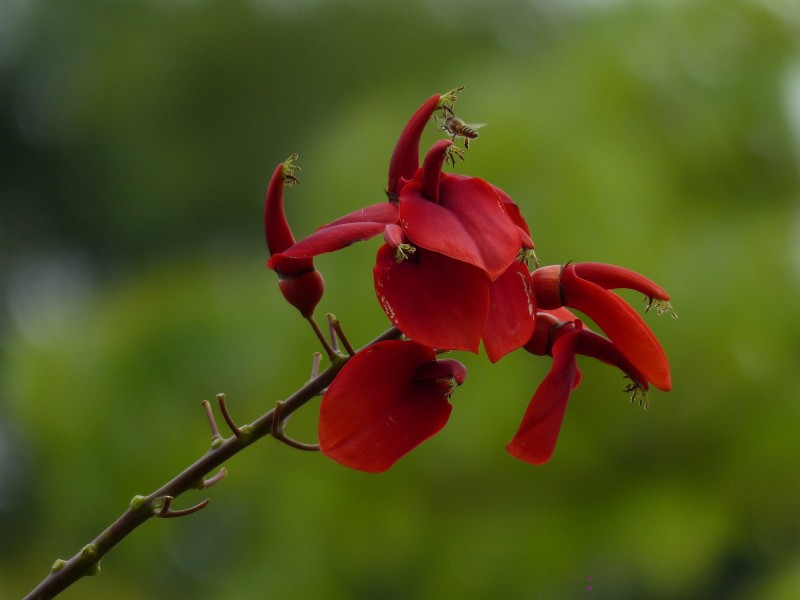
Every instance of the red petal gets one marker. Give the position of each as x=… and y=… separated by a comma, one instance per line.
x=595, y=345
x=276, y=227
x=612, y=277
x=383, y=212
x=511, y=207
x=433, y=299
x=432, y=170
x=405, y=158
x=444, y=368
x=469, y=223
x=536, y=438
x=372, y=414
x=513, y=211
x=334, y=238
x=512, y=308
x=621, y=324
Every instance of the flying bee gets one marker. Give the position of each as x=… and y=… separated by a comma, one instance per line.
x=455, y=126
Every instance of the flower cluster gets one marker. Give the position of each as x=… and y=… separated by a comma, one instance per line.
x=452, y=273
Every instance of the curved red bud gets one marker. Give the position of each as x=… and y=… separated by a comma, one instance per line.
x=300, y=283
x=433, y=299
x=276, y=227
x=536, y=438
x=378, y=408
x=405, y=158
x=512, y=307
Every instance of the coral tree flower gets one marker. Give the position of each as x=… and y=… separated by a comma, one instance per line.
x=451, y=274
x=388, y=399
x=301, y=284
x=536, y=437
x=448, y=275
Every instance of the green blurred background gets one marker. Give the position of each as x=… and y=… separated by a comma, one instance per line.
x=137, y=139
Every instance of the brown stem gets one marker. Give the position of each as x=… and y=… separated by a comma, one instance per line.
x=329, y=350
x=142, y=508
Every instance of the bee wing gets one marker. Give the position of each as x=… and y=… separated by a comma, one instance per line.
x=476, y=125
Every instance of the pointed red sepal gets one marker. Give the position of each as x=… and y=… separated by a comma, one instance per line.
x=620, y=323
x=433, y=299
x=469, y=224
x=512, y=307
x=536, y=438
x=333, y=238
x=383, y=404
x=405, y=158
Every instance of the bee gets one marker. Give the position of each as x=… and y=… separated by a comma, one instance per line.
x=455, y=126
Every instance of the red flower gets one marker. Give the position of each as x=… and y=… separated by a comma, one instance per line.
x=536, y=438
x=301, y=284
x=388, y=399
x=449, y=276
x=584, y=286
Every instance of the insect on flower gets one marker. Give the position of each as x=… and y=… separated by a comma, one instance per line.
x=458, y=128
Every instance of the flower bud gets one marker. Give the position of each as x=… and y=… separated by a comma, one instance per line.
x=301, y=284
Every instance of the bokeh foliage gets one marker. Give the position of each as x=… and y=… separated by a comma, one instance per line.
x=136, y=141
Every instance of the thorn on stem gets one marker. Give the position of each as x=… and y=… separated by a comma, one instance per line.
x=161, y=508
x=279, y=434
x=316, y=361
x=216, y=438
x=336, y=326
x=207, y=483
x=223, y=408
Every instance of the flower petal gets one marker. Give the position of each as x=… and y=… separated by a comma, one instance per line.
x=334, y=238
x=620, y=323
x=405, y=158
x=536, y=438
x=469, y=223
x=373, y=413
x=433, y=299
x=611, y=277
x=383, y=212
x=512, y=307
